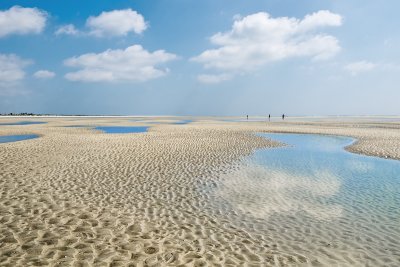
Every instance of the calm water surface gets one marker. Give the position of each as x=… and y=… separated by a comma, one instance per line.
x=183, y=122
x=23, y=123
x=14, y=138
x=314, y=198
x=364, y=183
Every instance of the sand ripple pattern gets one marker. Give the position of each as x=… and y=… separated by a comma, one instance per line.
x=77, y=197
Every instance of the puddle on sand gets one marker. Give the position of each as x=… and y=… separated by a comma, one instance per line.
x=313, y=193
x=15, y=138
x=22, y=123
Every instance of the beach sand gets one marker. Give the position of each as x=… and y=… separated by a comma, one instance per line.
x=80, y=197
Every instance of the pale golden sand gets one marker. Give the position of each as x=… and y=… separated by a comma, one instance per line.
x=80, y=197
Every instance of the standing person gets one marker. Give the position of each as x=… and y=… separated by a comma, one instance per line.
x=283, y=117
x=269, y=117
x=247, y=117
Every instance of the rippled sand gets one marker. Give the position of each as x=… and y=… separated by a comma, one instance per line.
x=79, y=197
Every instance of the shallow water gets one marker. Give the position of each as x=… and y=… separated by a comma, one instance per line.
x=182, y=122
x=123, y=129
x=316, y=199
x=15, y=138
x=23, y=123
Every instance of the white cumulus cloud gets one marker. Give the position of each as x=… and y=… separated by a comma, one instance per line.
x=21, y=20
x=68, y=29
x=258, y=39
x=358, y=67
x=12, y=68
x=44, y=74
x=12, y=74
x=213, y=78
x=131, y=64
x=116, y=23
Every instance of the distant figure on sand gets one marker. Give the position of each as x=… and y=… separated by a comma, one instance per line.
x=247, y=117
x=269, y=117
x=283, y=116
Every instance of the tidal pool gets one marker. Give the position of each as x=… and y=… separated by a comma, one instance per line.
x=15, y=138
x=122, y=129
x=23, y=123
x=183, y=122
x=315, y=199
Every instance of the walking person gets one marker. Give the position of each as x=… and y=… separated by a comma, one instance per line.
x=269, y=117
x=283, y=117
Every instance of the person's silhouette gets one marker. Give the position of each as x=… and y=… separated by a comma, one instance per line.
x=283, y=116
x=269, y=117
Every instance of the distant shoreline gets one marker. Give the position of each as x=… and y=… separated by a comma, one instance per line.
x=198, y=116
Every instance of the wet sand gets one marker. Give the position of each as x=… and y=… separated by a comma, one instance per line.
x=80, y=197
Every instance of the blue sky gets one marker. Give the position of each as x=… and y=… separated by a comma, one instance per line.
x=176, y=57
